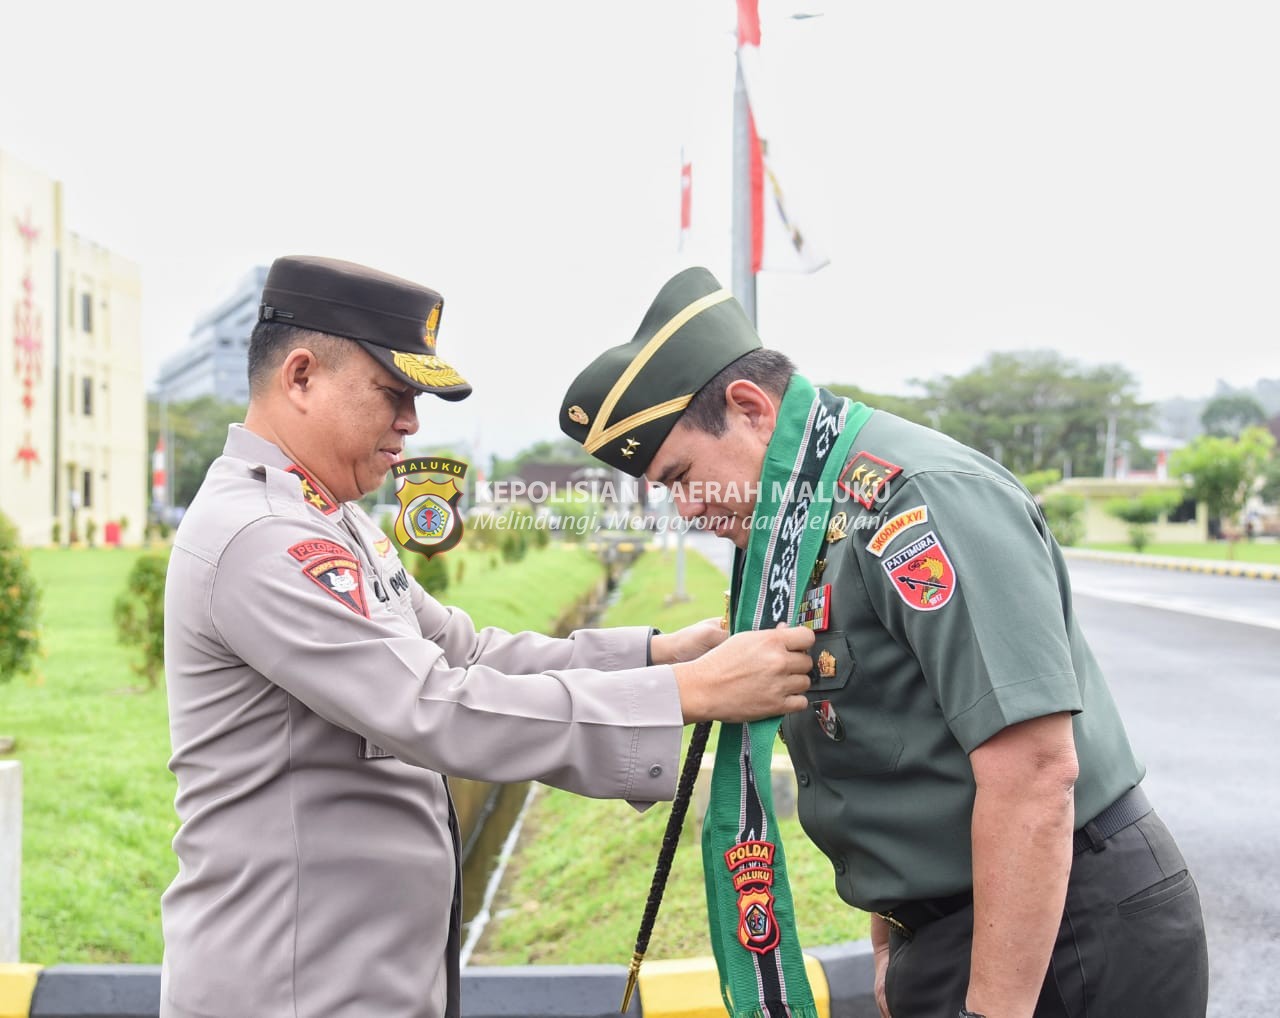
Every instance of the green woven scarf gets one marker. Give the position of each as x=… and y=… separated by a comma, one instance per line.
x=749, y=902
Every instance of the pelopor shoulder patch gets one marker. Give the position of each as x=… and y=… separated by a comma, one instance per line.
x=339, y=577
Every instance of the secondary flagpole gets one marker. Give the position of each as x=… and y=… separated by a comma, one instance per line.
x=743, y=278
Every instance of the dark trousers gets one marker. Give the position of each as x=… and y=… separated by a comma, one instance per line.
x=1131, y=943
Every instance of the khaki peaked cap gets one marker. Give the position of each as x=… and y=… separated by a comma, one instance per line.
x=622, y=406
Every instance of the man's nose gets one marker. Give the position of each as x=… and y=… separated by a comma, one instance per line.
x=687, y=507
x=407, y=415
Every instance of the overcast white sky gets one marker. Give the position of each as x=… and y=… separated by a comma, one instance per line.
x=1098, y=178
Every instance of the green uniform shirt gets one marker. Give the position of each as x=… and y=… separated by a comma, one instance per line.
x=944, y=627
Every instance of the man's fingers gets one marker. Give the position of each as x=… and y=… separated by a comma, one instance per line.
x=797, y=637
x=802, y=665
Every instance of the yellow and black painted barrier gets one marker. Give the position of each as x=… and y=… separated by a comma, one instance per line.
x=841, y=977
x=1214, y=567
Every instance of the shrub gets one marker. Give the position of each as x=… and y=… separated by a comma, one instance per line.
x=139, y=614
x=19, y=605
x=431, y=573
x=1065, y=516
x=90, y=530
x=1141, y=512
x=56, y=532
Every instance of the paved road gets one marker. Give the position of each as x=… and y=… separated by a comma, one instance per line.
x=1194, y=664
x=1201, y=701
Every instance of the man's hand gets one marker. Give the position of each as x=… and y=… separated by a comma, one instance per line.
x=687, y=644
x=749, y=676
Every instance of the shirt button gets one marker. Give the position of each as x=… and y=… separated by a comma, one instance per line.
x=803, y=778
x=840, y=866
x=655, y=771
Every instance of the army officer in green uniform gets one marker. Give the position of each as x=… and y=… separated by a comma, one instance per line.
x=963, y=765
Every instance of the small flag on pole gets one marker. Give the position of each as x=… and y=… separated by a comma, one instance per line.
x=777, y=242
x=159, y=480
x=686, y=198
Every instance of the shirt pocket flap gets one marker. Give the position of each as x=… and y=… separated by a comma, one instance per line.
x=833, y=662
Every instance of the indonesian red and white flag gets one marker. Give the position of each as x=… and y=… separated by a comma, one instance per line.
x=686, y=198
x=159, y=480
x=778, y=243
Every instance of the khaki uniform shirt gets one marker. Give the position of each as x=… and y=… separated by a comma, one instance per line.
x=316, y=697
x=949, y=619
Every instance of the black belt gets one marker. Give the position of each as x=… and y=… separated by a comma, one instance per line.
x=1128, y=809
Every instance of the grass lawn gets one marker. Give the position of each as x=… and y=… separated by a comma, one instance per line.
x=1264, y=552
x=98, y=797
x=577, y=885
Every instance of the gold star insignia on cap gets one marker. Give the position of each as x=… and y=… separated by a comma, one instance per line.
x=629, y=449
x=578, y=415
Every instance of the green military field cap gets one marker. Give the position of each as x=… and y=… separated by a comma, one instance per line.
x=625, y=402
x=393, y=319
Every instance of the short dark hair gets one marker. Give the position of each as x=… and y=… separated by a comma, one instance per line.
x=271, y=341
x=769, y=369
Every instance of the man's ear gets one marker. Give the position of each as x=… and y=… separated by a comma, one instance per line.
x=297, y=375
x=752, y=402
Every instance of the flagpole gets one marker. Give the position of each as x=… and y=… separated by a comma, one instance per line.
x=743, y=279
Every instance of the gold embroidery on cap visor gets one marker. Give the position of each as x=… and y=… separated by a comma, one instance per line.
x=426, y=369
x=599, y=434
x=578, y=415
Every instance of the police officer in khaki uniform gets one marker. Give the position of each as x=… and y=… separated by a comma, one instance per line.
x=317, y=693
x=962, y=764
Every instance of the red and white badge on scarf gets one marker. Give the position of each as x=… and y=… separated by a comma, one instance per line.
x=922, y=574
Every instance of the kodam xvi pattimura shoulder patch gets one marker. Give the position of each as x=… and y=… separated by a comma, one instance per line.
x=922, y=574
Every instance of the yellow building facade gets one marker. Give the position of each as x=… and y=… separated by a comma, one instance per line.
x=73, y=457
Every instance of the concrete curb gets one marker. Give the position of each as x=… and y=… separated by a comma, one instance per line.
x=98, y=991
x=842, y=977
x=1215, y=567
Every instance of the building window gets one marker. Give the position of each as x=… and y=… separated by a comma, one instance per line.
x=1184, y=513
x=86, y=312
x=86, y=489
x=86, y=395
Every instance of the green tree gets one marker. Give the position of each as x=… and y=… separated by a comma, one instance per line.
x=1036, y=481
x=1037, y=410
x=1220, y=472
x=196, y=431
x=19, y=605
x=912, y=408
x=561, y=450
x=1228, y=414
x=139, y=614
x=1142, y=511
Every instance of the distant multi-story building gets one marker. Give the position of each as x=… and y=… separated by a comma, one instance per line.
x=215, y=361
x=72, y=401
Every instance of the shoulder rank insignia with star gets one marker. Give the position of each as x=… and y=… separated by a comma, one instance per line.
x=865, y=478
x=311, y=493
